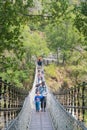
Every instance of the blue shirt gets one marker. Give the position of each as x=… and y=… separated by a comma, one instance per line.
x=38, y=98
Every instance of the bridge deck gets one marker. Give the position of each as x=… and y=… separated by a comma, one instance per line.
x=40, y=121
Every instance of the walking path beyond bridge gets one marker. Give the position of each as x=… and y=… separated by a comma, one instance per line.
x=55, y=117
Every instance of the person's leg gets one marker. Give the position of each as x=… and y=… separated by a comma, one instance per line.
x=36, y=106
x=45, y=106
x=42, y=105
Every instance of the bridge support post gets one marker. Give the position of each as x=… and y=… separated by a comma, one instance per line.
x=83, y=100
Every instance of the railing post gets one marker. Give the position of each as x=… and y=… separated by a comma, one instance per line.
x=1, y=96
x=9, y=103
x=71, y=100
x=0, y=90
x=65, y=98
x=68, y=100
x=5, y=101
x=5, y=96
x=76, y=89
x=14, y=96
x=16, y=99
x=9, y=113
x=75, y=100
x=78, y=102
x=83, y=101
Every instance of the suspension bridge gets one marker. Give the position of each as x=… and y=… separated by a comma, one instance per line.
x=61, y=113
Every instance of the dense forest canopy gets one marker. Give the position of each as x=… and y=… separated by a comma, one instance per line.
x=30, y=28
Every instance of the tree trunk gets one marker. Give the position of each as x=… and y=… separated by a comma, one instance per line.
x=64, y=59
x=57, y=56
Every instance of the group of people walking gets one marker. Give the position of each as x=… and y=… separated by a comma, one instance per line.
x=40, y=91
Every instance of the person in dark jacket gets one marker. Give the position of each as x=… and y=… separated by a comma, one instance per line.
x=39, y=62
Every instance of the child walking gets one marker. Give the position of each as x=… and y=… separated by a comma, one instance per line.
x=37, y=101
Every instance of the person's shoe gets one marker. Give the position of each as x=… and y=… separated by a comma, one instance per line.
x=44, y=110
x=37, y=110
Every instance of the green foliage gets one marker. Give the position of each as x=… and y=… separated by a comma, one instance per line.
x=34, y=42
x=51, y=70
x=58, y=9
x=63, y=36
x=11, y=17
x=17, y=72
x=81, y=18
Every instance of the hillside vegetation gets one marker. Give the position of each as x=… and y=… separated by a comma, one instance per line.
x=64, y=76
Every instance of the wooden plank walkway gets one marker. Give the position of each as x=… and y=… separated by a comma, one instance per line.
x=40, y=121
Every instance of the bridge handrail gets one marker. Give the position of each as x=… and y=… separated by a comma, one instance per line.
x=20, y=122
x=74, y=100
x=16, y=122
x=60, y=117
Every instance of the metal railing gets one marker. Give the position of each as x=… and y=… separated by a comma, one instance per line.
x=70, y=107
x=11, y=102
x=74, y=101
x=62, y=120
x=22, y=121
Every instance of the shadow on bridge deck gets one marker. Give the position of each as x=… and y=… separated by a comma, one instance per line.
x=40, y=121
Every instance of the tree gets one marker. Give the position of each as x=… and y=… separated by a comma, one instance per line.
x=11, y=17
x=63, y=36
x=34, y=42
x=81, y=19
